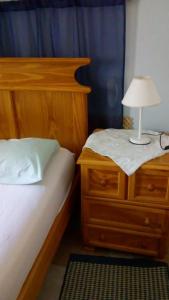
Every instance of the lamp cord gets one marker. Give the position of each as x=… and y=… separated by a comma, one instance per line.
x=166, y=147
x=160, y=134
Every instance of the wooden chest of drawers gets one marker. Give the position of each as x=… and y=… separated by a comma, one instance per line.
x=126, y=213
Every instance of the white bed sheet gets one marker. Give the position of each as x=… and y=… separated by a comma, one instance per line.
x=26, y=215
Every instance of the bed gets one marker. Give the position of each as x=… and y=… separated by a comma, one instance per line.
x=39, y=98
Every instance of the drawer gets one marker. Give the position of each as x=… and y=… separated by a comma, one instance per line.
x=122, y=240
x=125, y=216
x=103, y=181
x=149, y=185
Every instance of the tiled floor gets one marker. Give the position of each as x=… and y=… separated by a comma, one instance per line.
x=53, y=283
x=71, y=243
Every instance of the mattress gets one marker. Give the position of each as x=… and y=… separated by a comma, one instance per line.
x=26, y=215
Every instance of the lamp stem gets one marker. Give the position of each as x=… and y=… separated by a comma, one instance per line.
x=139, y=124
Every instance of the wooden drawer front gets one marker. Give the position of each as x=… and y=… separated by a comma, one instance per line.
x=122, y=240
x=125, y=216
x=105, y=182
x=149, y=185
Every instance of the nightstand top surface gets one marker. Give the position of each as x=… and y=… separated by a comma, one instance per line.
x=88, y=156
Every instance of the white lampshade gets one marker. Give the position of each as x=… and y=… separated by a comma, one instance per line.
x=141, y=93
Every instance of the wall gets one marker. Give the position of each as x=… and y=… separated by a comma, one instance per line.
x=147, y=53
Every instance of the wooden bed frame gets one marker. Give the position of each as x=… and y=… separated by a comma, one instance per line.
x=39, y=97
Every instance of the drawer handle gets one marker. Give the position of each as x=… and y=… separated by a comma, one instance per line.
x=151, y=187
x=102, y=237
x=146, y=221
x=103, y=182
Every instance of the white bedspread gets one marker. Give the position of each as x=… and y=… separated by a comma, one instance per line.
x=26, y=215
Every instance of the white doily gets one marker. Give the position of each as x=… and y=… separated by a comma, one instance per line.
x=115, y=144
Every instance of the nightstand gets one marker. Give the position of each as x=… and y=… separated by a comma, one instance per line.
x=125, y=213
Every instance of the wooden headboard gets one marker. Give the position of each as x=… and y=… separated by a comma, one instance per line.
x=39, y=97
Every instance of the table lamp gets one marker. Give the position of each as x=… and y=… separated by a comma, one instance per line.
x=141, y=93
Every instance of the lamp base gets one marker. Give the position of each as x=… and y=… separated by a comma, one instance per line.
x=141, y=141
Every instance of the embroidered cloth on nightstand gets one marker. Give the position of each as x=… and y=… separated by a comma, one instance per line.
x=114, y=143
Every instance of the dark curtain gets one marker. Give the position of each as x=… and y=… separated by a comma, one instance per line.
x=73, y=28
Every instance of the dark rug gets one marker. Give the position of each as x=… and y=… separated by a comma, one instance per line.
x=106, y=278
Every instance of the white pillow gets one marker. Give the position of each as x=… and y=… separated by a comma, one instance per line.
x=23, y=161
